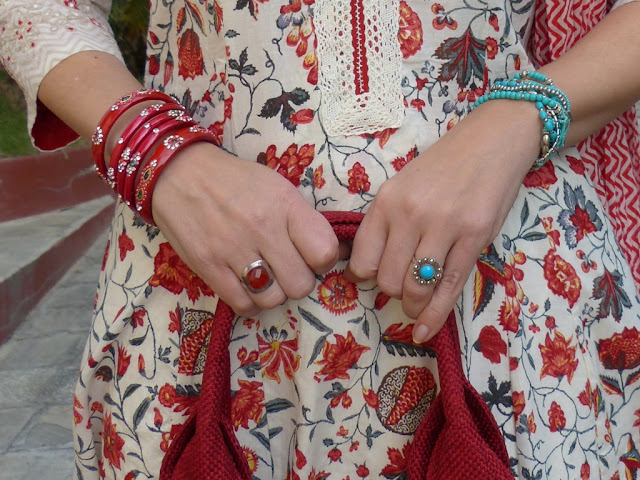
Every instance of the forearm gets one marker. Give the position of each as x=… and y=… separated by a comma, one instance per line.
x=80, y=89
x=601, y=73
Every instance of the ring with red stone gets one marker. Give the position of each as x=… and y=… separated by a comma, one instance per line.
x=257, y=276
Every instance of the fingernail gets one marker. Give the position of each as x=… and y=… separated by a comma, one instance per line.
x=420, y=333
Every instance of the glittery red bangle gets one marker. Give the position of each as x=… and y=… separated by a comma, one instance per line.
x=103, y=129
x=126, y=181
x=158, y=161
x=123, y=148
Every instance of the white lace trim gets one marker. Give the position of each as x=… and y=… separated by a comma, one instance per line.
x=361, y=86
x=36, y=36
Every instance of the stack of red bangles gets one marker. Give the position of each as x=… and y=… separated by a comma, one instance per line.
x=146, y=146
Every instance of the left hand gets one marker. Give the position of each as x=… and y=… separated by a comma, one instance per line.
x=449, y=203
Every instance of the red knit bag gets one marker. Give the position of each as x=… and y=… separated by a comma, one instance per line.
x=458, y=438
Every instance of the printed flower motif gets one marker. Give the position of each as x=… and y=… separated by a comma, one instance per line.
x=557, y=420
x=580, y=218
x=167, y=395
x=338, y=358
x=251, y=457
x=493, y=21
x=410, y=31
x=174, y=275
x=398, y=462
x=275, y=351
x=190, y=61
x=77, y=417
x=247, y=404
x=358, y=180
x=558, y=357
x=371, y=398
x=291, y=164
x=400, y=162
x=381, y=300
x=335, y=454
x=137, y=317
x=318, y=180
x=531, y=422
x=112, y=443
x=124, y=359
x=561, y=277
x=519, y=403
x=337, y=294
x=491, y=344
x=301, y=36
x=362, y=471
x=621, y=351
x=509, y=315
x=343, y=398
x=105, y=256
x=125, y=244
x=442, y=18
x=491, y=48
x=174, y=320
x=543, y=177
x=553, y=234
x=585, y=471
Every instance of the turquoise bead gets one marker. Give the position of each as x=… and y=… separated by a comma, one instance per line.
x=427, y=272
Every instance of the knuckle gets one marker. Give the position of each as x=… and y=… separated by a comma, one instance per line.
x=301, y=288
x=325, y=256
x=391, y=288
x=363, y=271
x=271, y=298
x=244, y=307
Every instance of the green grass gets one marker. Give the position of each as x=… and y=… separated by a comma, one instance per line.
x=14, y=138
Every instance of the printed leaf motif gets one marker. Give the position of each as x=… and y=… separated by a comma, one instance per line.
x=611, y=385
x=490, y=271
x=403, y=349
x=314, y=321
x=277, y=405
x=140, y=411
x=181, y=19
x=196, y=13
x=464, y=59
x=609, y=288
x=498, y=395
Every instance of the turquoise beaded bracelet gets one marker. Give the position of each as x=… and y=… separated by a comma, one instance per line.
x=551, y=102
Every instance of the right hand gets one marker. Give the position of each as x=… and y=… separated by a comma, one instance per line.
x=221, y=213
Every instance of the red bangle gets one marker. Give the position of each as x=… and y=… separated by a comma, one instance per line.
x=123, y=149
x=159, y=159
x=127, y=179
x=103, y=129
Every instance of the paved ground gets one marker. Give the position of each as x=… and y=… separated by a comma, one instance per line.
x=38, y=367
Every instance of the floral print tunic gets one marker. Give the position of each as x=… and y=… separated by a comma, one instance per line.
x=332, y=386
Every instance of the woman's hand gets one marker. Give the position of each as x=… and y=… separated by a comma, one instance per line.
x=449, y=203
x=221, y=213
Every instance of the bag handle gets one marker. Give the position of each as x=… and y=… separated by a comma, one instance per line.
x=458, y=420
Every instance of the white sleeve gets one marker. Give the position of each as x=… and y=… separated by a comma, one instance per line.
x=619, y=3
x=37, y=35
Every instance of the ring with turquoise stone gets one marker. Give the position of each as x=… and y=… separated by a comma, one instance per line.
x=427, y=271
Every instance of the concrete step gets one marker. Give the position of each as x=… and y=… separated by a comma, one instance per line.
x=37, y=250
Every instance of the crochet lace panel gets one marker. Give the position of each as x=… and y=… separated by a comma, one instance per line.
x=359, y=65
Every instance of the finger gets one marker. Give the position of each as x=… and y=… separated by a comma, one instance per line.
x=416, y=293
x=458, y=265
x=396, y=260
x=235, y=294
x=344, y=250
x=314, y=238
x=368, y=247
x=259, y=281
x=292, y=273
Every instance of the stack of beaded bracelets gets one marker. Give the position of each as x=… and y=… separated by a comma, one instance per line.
x=145, y=147
x=552, y=103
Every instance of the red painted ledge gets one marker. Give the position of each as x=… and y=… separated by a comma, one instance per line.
x=48, y=181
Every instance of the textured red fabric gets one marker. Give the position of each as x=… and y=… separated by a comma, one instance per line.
x=611, y=156
x=458, y=438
